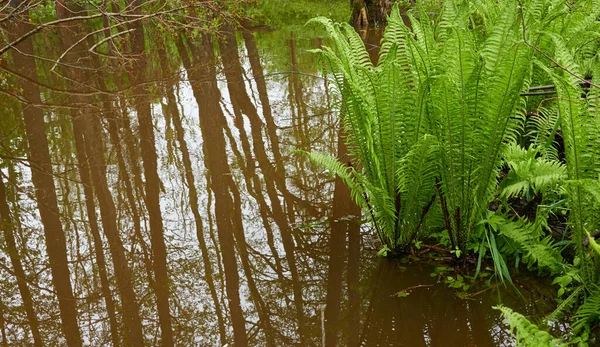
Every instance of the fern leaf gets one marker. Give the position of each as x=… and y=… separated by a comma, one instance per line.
x=528, y=334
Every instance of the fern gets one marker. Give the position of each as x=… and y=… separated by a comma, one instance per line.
x=529, y=175
x=528, y=334
x=443, y=108
x=545, y=126
x=385, y=119
x=588, y=314
x=474, y=104
x=527, y=241
x=336, y=168
x=565, y=304
x=580, y=124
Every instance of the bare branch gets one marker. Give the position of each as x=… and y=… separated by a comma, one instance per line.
x=131, y=18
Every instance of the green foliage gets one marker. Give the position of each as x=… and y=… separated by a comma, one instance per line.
x=593, y=243
x=384, y=117
x=580, y=125
x=473, y=125
x=420, y=119
x=588, y=314
x=528, y=334
x=529, y=174
x=528, y=242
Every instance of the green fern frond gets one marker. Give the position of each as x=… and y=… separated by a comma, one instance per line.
x=416, y=183
x=335, y=168
x=529, y=174
x=545, y=125
x=529, y=242
x=565, y=304
x=528, y=334
x=588, y=314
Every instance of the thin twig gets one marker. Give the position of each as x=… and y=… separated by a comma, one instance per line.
x=582, y=79
x=131, y=17
x=411, y=288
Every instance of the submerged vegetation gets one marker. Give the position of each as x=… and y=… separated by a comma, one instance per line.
x=479, y=129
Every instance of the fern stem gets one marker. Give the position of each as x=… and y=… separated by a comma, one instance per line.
x=398, y=205
x=377, y=228
x=445, y=213
x=458, y=227
x=423, y=214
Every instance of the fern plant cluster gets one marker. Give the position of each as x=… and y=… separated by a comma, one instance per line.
x=487, y=103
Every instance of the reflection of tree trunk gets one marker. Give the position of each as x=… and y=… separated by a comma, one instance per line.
x=254, y=186
x=84, y=174
x=208, y=97
x=241, y=103
x=131, y=147
x=43, y=181
x=278, y=175
x=344, y=206
x=86, y=125
x=238, y=230
x=116, y=121
x=2, y=325
x=6, y=225
x=373, y=297
x=193, y=197
x=233, y=73
x=150, y=164
x=132, y=324
x=353, y=277
x=115, y=139
x=337, y=250
x=299, y=120
x=478, y=321
x=261, y=86
x=297, y=97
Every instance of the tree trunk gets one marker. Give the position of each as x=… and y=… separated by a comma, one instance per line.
x=359, y=16
x=373, y=11
x=3, y=326
x=353, y=277
x=378, y=10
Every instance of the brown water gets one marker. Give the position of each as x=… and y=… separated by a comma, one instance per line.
x=189, y=218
